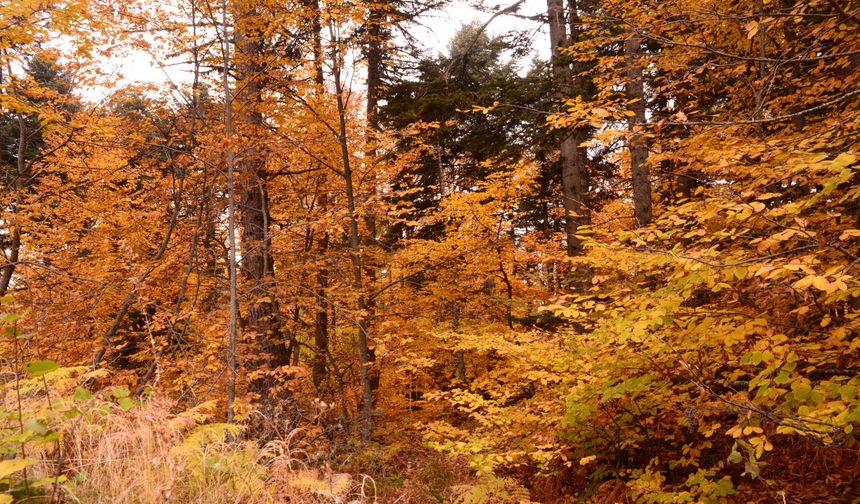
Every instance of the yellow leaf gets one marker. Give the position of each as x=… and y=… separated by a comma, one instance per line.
x=820, y=283
x=804, y=282
x=587, y=460
x=9, y=467
x=767, y=196
x=752, y=28
x=849, y=233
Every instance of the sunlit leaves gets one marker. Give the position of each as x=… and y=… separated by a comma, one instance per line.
x=40, y=367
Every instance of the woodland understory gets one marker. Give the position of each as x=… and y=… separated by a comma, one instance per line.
x=320, y=262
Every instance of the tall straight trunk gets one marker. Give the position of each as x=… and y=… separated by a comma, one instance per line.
x=356, y=257
x=321, y=339
x=257, y=262
x=233, y=324
x=642, y=208
x=321, y=323
x=573, y=167
x=375, y=24
x=375, y=20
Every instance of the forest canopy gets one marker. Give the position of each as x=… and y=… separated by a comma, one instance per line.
x=321, y=262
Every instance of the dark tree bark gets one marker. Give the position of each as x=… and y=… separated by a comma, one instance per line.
x=377, y=18
x=257, y=262
x=573, y=157
x=8, y=269
x=321, y=322
x=642, y=209
x=375, y=22
x=364, y=357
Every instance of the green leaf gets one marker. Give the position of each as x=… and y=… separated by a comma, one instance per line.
x=735, y=457
x=82, y=394
x=120, y=392
x=725, y=487
x=17, y=333
x=126, y=403
x=47, y=481
x=9, y=318
x=72, y=413
x=752, y=469
x=18, y=438
x=40, y=367
x=782, y=378
x=36, y=426
x=752, y=358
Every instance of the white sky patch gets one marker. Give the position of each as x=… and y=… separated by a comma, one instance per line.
x=434, y=31
x=440, y=27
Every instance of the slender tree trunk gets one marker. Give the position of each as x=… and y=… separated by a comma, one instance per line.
x=375, y=22
x=321, y=325
x=321, y=339
x=642, y=211
x=8, y=269
x=233, y=323
x=573, y=157
x=375, y=26
x=356, y=256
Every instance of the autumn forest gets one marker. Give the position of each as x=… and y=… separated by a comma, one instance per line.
x=584, y=251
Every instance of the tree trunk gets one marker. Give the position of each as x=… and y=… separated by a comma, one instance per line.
x=375, y=23
x=573, y=157
x=9, y=267
x=321, y=325
x=15, y=232
x=638, y=149
x=233, y=324
x=321, y=342
x=257, y=262
x=356, y=256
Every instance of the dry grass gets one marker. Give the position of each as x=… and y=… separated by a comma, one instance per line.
x=148, y=455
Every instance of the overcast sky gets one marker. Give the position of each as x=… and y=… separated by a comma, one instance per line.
x=436, y=30
x=441, y=26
